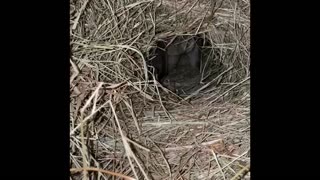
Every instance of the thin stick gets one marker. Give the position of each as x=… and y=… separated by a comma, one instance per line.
x=80, y=12
x=140, y=146
x=87, y=118
x=164, y=158
x=129, y=106
x=102, y=171
x=241, y=173
x=127, y=148
x=231, y=162
x=208, y=84
x=192, y=146
x=226, y=91
x=220, y=169
x=76, y=71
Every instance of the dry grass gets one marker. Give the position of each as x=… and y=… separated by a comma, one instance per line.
x=123, y=126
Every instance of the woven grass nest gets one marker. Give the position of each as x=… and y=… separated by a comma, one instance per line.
x=126, y=125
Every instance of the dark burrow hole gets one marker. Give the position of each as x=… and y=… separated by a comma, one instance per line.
x=183, y=64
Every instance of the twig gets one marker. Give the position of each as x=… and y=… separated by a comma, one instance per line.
x=174, y=123
x=127, y=146
x=76, y=71
x=220, y=169
x=208, y=84
x=164, y=158
x=102, y=171
x=226, y=92
x=241, y=173
x=230, y=162
x=129, y=106
x=80, y=12
x=140, y=146
x=191, y=146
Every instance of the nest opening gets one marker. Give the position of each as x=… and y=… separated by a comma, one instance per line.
x=184, y=64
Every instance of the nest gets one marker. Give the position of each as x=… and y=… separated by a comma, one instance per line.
x=125, y=125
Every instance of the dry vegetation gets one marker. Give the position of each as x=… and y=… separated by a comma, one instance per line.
x=123, y=126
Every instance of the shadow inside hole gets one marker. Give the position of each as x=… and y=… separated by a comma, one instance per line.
x=183, y=64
